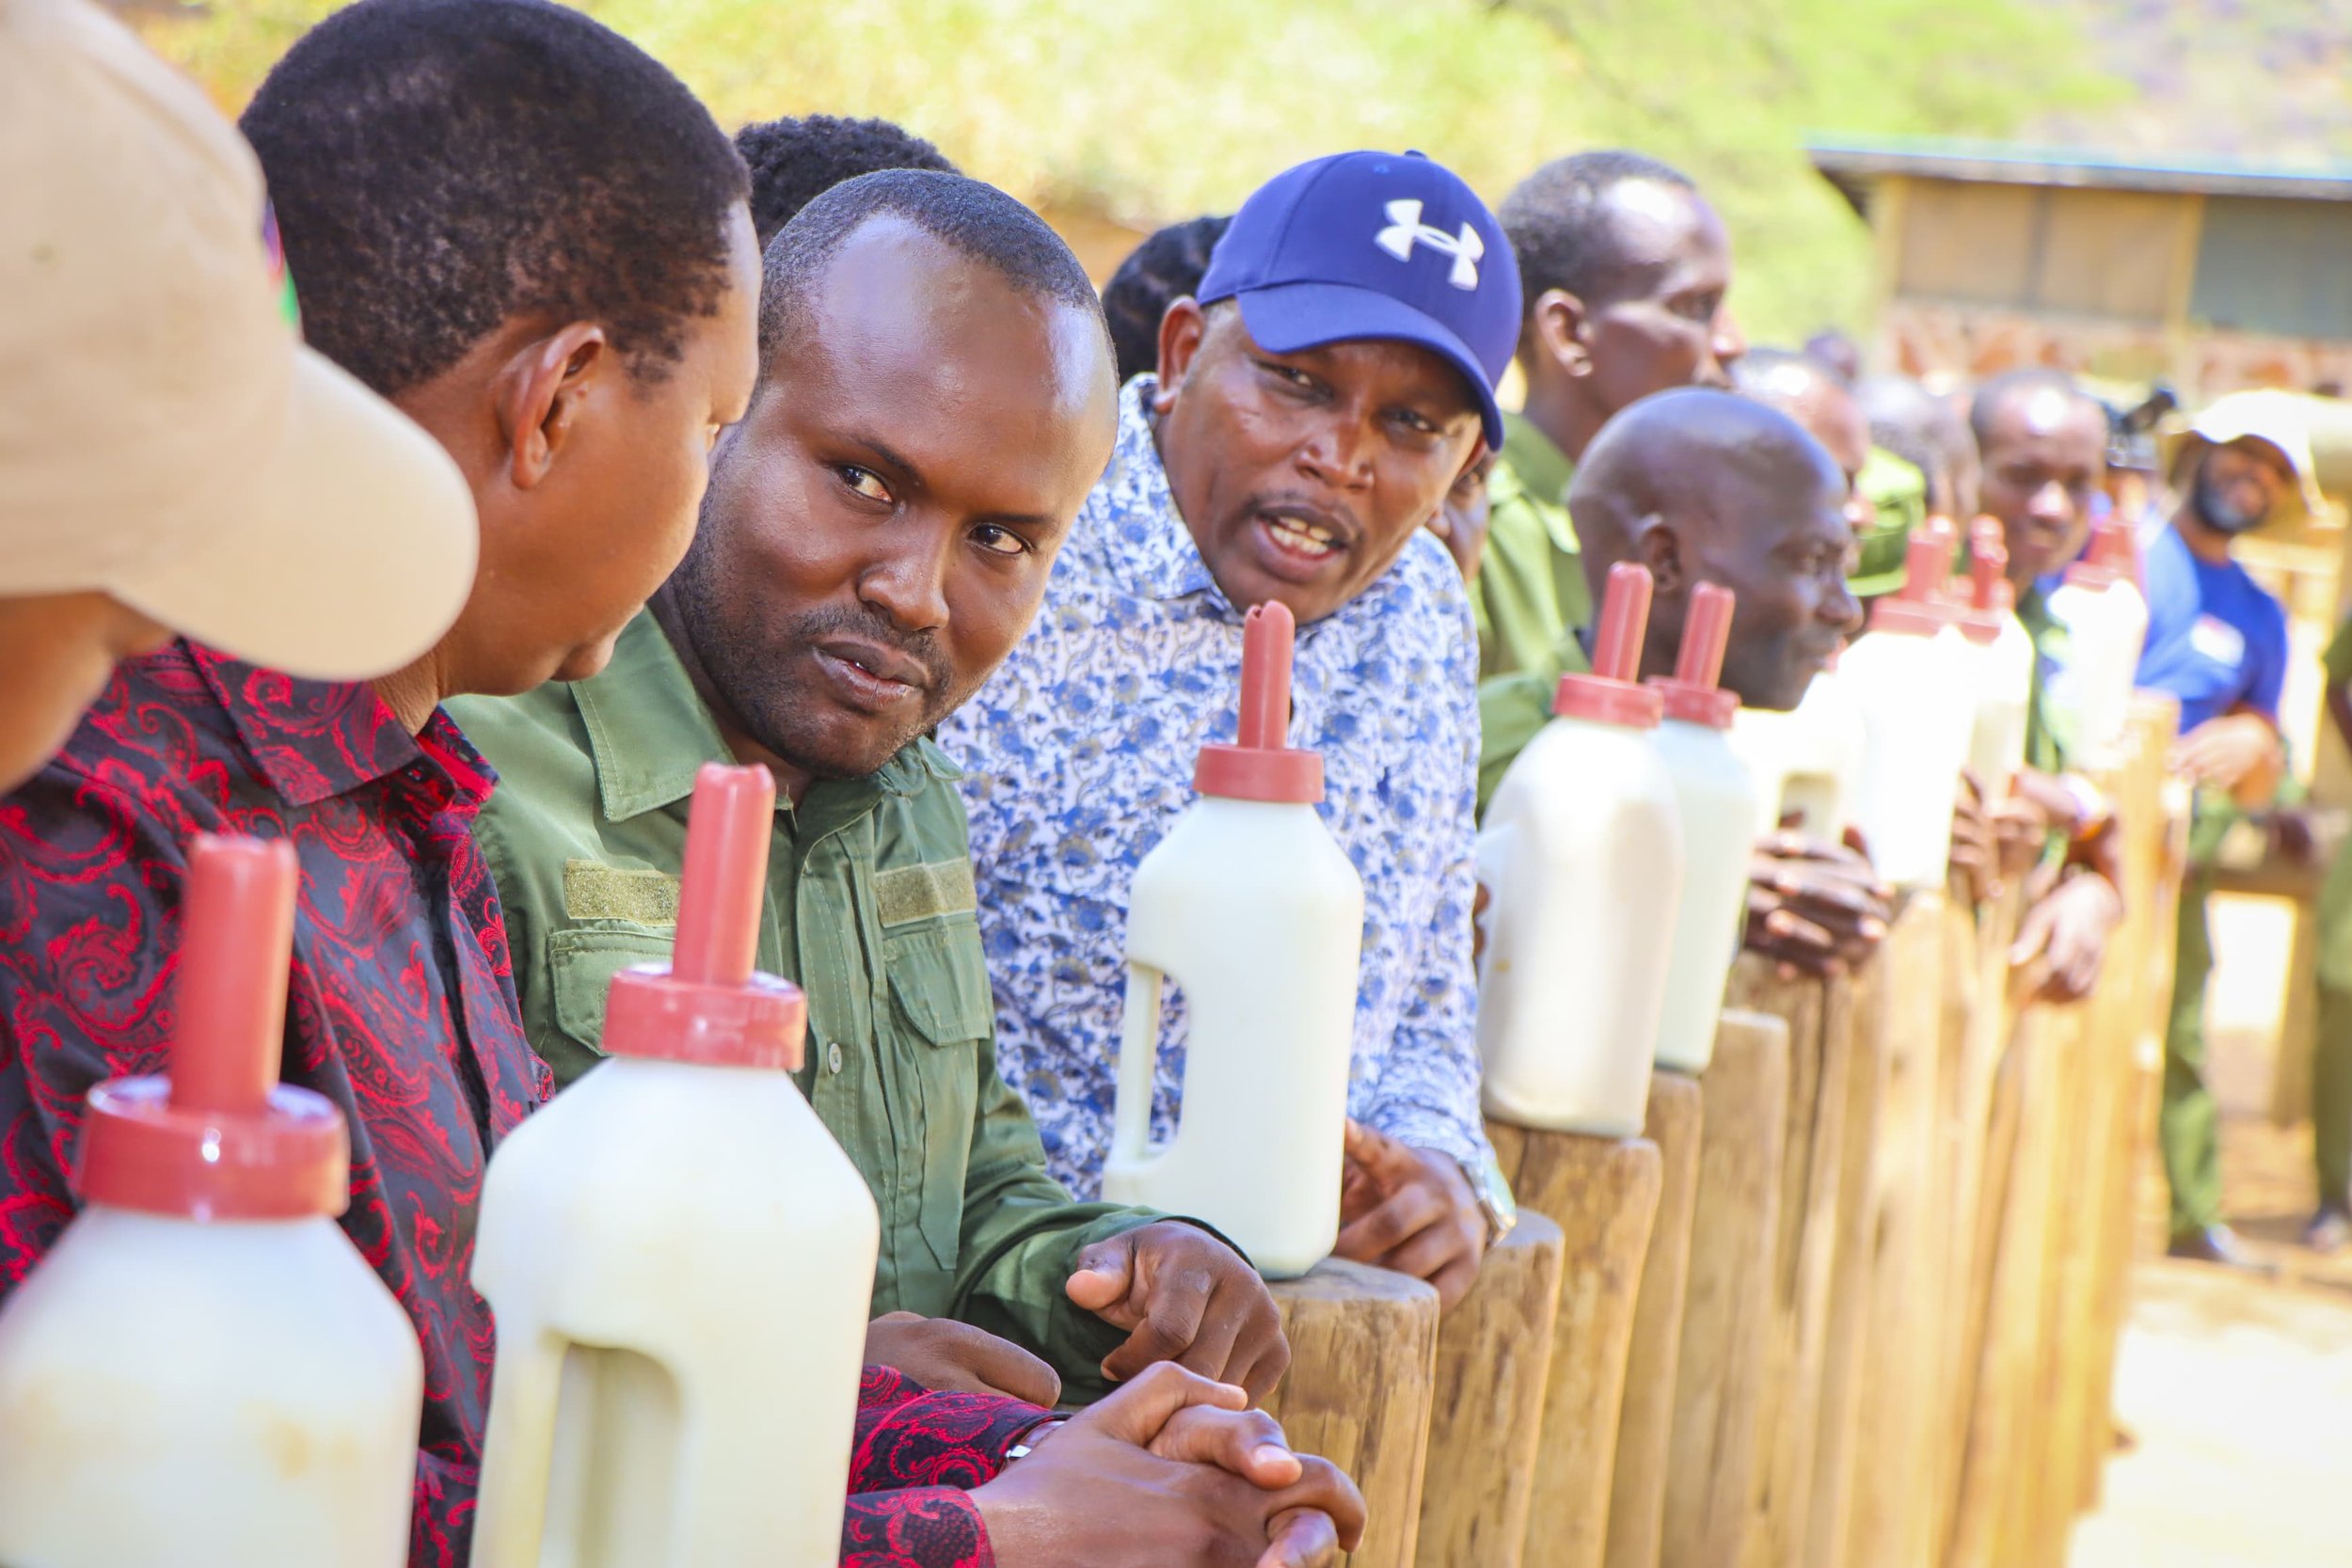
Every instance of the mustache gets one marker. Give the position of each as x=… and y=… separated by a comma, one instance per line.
x=812, y=628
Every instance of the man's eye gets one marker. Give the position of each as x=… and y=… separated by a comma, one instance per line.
x=1420, y=424
x=1290, y=375
x=1700, y=308
x=999, y=541
x=864, y=483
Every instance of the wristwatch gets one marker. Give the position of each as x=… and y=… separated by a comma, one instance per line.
x=1494, y=1196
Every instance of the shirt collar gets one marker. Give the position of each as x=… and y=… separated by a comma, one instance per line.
x=649, y=733
x=1541, y=467
x=313, y=740
x=1140, y=535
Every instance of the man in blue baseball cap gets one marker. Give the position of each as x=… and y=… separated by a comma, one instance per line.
x=1315, y=403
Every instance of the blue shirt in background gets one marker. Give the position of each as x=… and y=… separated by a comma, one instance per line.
x=2217, y=640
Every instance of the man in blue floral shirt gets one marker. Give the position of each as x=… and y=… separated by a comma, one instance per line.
x=1319, y=398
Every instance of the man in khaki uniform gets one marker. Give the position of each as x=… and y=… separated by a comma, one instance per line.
x=936, y=400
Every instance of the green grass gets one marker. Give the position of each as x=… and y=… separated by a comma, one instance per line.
x=1148, y=111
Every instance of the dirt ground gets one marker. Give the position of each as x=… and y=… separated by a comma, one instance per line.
x=2233, y=1395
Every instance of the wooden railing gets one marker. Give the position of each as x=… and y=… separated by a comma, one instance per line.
x=1851, y=1302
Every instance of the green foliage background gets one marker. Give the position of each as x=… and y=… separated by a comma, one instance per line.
x=1148, y=110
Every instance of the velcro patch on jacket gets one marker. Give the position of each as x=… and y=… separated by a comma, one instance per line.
x=643, y=897
x=934, y=888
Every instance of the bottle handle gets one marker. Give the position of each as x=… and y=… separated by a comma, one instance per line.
x=1138, y=1062
x=519, y=1451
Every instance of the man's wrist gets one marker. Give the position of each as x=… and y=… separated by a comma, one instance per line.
x=1495, y=1200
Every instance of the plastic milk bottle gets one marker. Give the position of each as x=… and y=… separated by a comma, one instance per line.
x=2004, y=662
x=1252, y=908
x=680, y=1258
x=2107, y=623
x=1582, y=854
x=1918, y=713
x=204, y=1371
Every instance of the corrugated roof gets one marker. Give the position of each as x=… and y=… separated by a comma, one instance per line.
x=1855, y=166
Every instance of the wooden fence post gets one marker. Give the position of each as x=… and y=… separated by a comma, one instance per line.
x=1603, y=1194
x=1363, y=1355
x=1494, y=1361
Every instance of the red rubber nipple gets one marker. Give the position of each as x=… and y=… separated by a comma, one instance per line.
x=1914, y=609
x=1693, y=693
x=1261, y=765
x=220, y=1137
x=708, y=1005
x=1612, y=693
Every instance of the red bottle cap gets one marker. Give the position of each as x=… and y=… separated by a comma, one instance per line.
x=1693, y=693
x=1612, y=693
x=2113, y=555
x=708, y=1005
x=1988, y=581
x=1261, y=765
x=1912, y=609
x=220, y=1138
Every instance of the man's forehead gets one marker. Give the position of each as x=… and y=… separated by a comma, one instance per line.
x=2049, y=416
x=1664, y=236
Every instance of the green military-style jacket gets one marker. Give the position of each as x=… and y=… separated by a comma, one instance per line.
x=1898, y=492
x=869, y=908
x=1512, y=708
x=1530, y=592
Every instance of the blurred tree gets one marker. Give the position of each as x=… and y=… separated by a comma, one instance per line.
x=1142, y=112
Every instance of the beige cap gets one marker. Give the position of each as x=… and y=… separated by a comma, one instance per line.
x=2280, y=420
x=165, y=437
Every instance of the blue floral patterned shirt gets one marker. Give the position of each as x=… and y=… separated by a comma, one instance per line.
x=1079, y=756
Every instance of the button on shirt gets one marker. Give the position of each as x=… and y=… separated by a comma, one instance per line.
x=2217, y=640
x=399, y=1007
x=869, y=908
x=1078, y=757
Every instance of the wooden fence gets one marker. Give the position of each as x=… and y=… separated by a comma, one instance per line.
x=1852, y=1301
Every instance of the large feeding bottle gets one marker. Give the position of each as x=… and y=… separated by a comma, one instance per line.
x=2004, y=661
x=2106, y=618
x=1717, y=796
x=1912, y=685
x=1582, y=854
x=1250, y=906
x=680, y=1258
x=1807, y=762
x=204, y=1371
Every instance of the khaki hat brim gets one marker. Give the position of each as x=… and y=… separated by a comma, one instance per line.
x=348, y=557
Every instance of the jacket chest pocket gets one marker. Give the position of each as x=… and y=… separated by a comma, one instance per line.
x=581, y=962
x=941, y=1009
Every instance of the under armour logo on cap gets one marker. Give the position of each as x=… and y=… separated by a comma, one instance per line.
x=1406, y=229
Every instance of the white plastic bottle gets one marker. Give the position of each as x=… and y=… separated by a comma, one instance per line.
x=681, y=1259
x=2106, y=618
x=1251, y=907
x=1918, y=713
x=1582, y=855
x=1717, y=796
x=1807, y=762
x=204, y=1371
x=2004, y=662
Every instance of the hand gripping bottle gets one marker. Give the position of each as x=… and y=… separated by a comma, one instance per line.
x=2003, y=665
x=1717, y=798
x=2106, y=624
x=1248, y=905
x=204, y=1370
x=680, y=1258
x=1582, y=855
x=1918, y=714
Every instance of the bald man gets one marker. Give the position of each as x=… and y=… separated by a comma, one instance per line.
x=1704, y=486
x=1887, y=496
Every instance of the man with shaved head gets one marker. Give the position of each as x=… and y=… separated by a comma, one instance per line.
x=1703, y=486
x=1625, y=268
x=1886, y=497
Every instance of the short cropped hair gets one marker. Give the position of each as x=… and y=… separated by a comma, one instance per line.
x=1162, y=270
x=798, y=158
x=441, y=166
x=1996, y=393
x=976, y=219
x=1559, y=224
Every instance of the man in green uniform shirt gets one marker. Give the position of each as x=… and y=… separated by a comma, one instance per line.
x=1625, y=268
x=936, y=400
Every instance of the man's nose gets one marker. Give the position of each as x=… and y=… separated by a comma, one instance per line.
x=1338, y=452
x=2052, y=502
x=909, y=583
x=1726, y=341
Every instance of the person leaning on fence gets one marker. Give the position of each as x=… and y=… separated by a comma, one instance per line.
x=1701, y=486
x=1625, y=269
x=172, y=458
x=452, y=180
x=1315, y=403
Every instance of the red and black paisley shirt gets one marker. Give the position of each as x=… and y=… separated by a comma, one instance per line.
x=400, y=1008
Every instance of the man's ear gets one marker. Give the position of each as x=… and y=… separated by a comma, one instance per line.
x=1563, y=329
x=1182, y=330
x=540, y=393
x=1656, y=547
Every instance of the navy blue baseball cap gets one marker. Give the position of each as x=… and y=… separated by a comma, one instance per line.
x=1375, y=245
